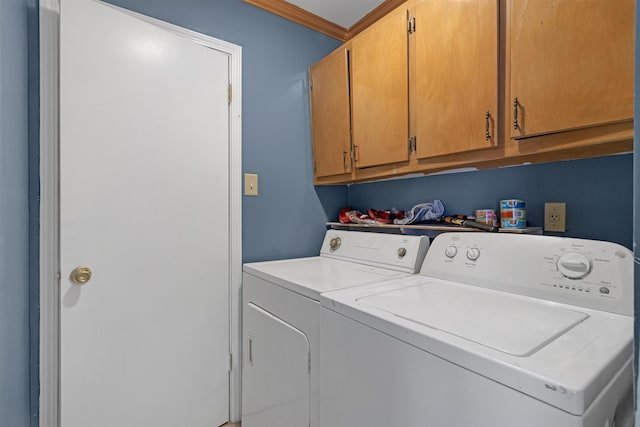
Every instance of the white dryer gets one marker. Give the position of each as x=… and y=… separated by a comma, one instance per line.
x=497, y=330
x=281, y=312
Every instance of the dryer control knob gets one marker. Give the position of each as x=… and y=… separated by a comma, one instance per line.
x=473, y=254
x=451, y=251
x=574, y=265
x=334, y=243
x=402, y=252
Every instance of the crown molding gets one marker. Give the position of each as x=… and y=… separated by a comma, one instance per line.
x=302, y=17
x=296, y=14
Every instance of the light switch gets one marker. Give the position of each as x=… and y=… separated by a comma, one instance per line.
x=250, y=184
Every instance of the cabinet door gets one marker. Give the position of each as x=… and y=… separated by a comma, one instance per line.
x=456, y=76
x=571, y=64
x=330, y=114
x=380, y=100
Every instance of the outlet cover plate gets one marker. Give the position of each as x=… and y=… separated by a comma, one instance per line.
x=555, y=217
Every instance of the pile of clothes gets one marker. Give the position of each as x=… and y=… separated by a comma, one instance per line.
x=421, y=213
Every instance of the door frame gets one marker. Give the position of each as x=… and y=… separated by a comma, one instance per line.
x=49, y=233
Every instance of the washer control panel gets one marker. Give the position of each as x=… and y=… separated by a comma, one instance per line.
x=589, y=273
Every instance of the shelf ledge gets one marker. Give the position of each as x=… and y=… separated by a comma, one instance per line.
x=431, y=230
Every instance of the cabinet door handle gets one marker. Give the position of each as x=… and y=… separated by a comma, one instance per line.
x=344, y=160
x=487, y=134
x=515, y=113
x=355, y=153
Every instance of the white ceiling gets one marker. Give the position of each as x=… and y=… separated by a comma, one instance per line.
x=342, y=12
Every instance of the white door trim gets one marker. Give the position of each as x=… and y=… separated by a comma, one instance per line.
x=50, y=203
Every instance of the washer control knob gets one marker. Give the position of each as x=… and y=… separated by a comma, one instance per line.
x=402, y=252
x=334, y=243
x=473, y=254
x=574, y=265
x=451, y=251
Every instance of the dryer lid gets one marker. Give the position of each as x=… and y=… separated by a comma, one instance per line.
x=314, y=275
x=505, y=322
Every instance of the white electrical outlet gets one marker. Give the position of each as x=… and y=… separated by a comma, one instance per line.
x=555, y=217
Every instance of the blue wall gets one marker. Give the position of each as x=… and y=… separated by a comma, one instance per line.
x=598, y=193
x=287, y=218
x=14, y=273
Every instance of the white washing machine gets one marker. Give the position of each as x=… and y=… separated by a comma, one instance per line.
x=281, y=312
x=496, y=330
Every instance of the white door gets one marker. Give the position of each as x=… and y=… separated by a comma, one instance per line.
x=144, y=204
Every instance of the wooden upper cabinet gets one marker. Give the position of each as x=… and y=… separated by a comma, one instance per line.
x=379, y=92
x=447, y=72
x=571, y=64
x=329, y=81
x=455, y=48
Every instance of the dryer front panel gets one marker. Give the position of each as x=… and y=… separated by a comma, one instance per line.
x=276, y=358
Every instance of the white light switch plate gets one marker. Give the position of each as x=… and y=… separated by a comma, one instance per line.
x=250, y=184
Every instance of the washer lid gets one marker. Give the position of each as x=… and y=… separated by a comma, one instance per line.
x=473, y=327
x=497, y=320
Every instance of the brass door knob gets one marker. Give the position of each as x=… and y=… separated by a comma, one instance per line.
x=80, y=275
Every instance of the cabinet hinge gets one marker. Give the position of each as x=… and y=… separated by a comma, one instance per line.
x=229, y=94
x=411, y=143
x=310, y=84
x=230, y=362
x=411, y=25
